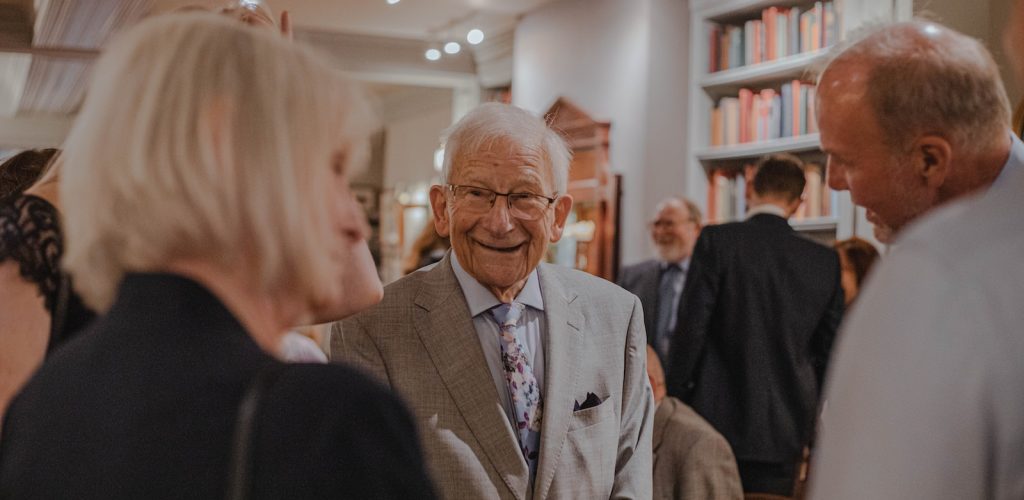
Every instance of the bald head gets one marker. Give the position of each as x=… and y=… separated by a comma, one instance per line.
x=656, y=375
x=921, y=77
x=911, y=115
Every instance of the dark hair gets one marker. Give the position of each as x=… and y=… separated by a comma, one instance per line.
x=780, y=175
x=22, y=169
x=860, y=254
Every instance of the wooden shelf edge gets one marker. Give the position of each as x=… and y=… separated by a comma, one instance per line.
x=778, y=68
x=807, y=142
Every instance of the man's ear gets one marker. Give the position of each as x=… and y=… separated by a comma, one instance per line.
x=932, y=159
x=563, y=205
x=439, y=206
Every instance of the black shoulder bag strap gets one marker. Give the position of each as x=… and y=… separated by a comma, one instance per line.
x=241, y=460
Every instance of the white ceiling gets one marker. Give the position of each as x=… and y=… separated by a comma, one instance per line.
x=418, y=19
x=47, y=48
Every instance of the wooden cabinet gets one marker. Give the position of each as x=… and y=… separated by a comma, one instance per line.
x=590, y=240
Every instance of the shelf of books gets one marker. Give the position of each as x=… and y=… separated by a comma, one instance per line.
x=752, y=94
x=727, y=189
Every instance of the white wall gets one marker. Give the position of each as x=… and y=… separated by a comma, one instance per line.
x=623, y=61
x=667, y=105
x=982, y=19
x=412, y=133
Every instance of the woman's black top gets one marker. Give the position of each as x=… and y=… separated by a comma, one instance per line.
x=143, y=404
x=31, y=235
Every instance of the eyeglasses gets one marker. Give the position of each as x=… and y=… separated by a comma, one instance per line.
x=524, y=206
x=668, y=224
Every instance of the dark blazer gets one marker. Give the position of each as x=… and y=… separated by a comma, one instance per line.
x=642, y=279
x=760, y=310
x=143, y=404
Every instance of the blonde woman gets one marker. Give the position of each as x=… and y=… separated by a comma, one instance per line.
x=208, y=210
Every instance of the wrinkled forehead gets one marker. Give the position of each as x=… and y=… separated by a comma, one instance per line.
x=502, y=151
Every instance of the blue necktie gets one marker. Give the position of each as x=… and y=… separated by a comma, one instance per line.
x=666, y=299
x=527, y=404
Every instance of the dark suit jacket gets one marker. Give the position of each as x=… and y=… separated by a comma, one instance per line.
x=760, y=310
x=143, y=405
x=642, y=279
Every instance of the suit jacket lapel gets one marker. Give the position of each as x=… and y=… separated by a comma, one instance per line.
x=446, y=329
x=562, y=337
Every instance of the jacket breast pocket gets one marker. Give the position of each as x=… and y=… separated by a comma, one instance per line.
x=587, y=468
x=592, y=416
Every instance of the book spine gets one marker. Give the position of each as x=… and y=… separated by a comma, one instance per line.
x=746, y=105
x=787, y=110
x=794, y=30
x=795, y=108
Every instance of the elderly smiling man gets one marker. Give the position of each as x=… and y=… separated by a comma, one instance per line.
x=528, y=380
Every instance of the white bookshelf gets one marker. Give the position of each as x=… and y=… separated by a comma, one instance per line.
x=755, y=150
x=787, y=68
x=706, y=88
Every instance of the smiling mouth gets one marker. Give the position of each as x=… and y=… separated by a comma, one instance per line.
x=510, y=249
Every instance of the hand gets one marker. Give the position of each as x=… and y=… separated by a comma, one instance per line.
x=286, y=25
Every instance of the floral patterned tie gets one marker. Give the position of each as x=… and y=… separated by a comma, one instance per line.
x=527, y=403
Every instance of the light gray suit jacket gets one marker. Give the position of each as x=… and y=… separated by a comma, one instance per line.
x=692, y=461
x=420, y=340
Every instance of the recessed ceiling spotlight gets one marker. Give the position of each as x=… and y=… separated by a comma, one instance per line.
x=452, y=48
x=474, y=36
x=392, y=2
x=432, y=54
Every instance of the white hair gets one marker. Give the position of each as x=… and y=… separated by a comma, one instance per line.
x=926, y=78
x=492, y=122
x=202, y=138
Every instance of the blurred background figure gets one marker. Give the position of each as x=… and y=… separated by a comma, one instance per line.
x=659, y=282
x=692, y=461
x=203, y=238
x=38, y=308
x=428, y=248
x=759, y=314
x=856, y=257
x=21, y=170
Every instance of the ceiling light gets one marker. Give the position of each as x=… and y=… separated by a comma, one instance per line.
x=452, y=48
x=392, y=2
x=474, y=36
x=432, y=54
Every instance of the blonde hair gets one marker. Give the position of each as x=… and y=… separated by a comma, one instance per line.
x=201, y=138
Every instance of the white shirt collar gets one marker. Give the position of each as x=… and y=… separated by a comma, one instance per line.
x=1015, y=158
x=766, y=208
x=480, y=299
